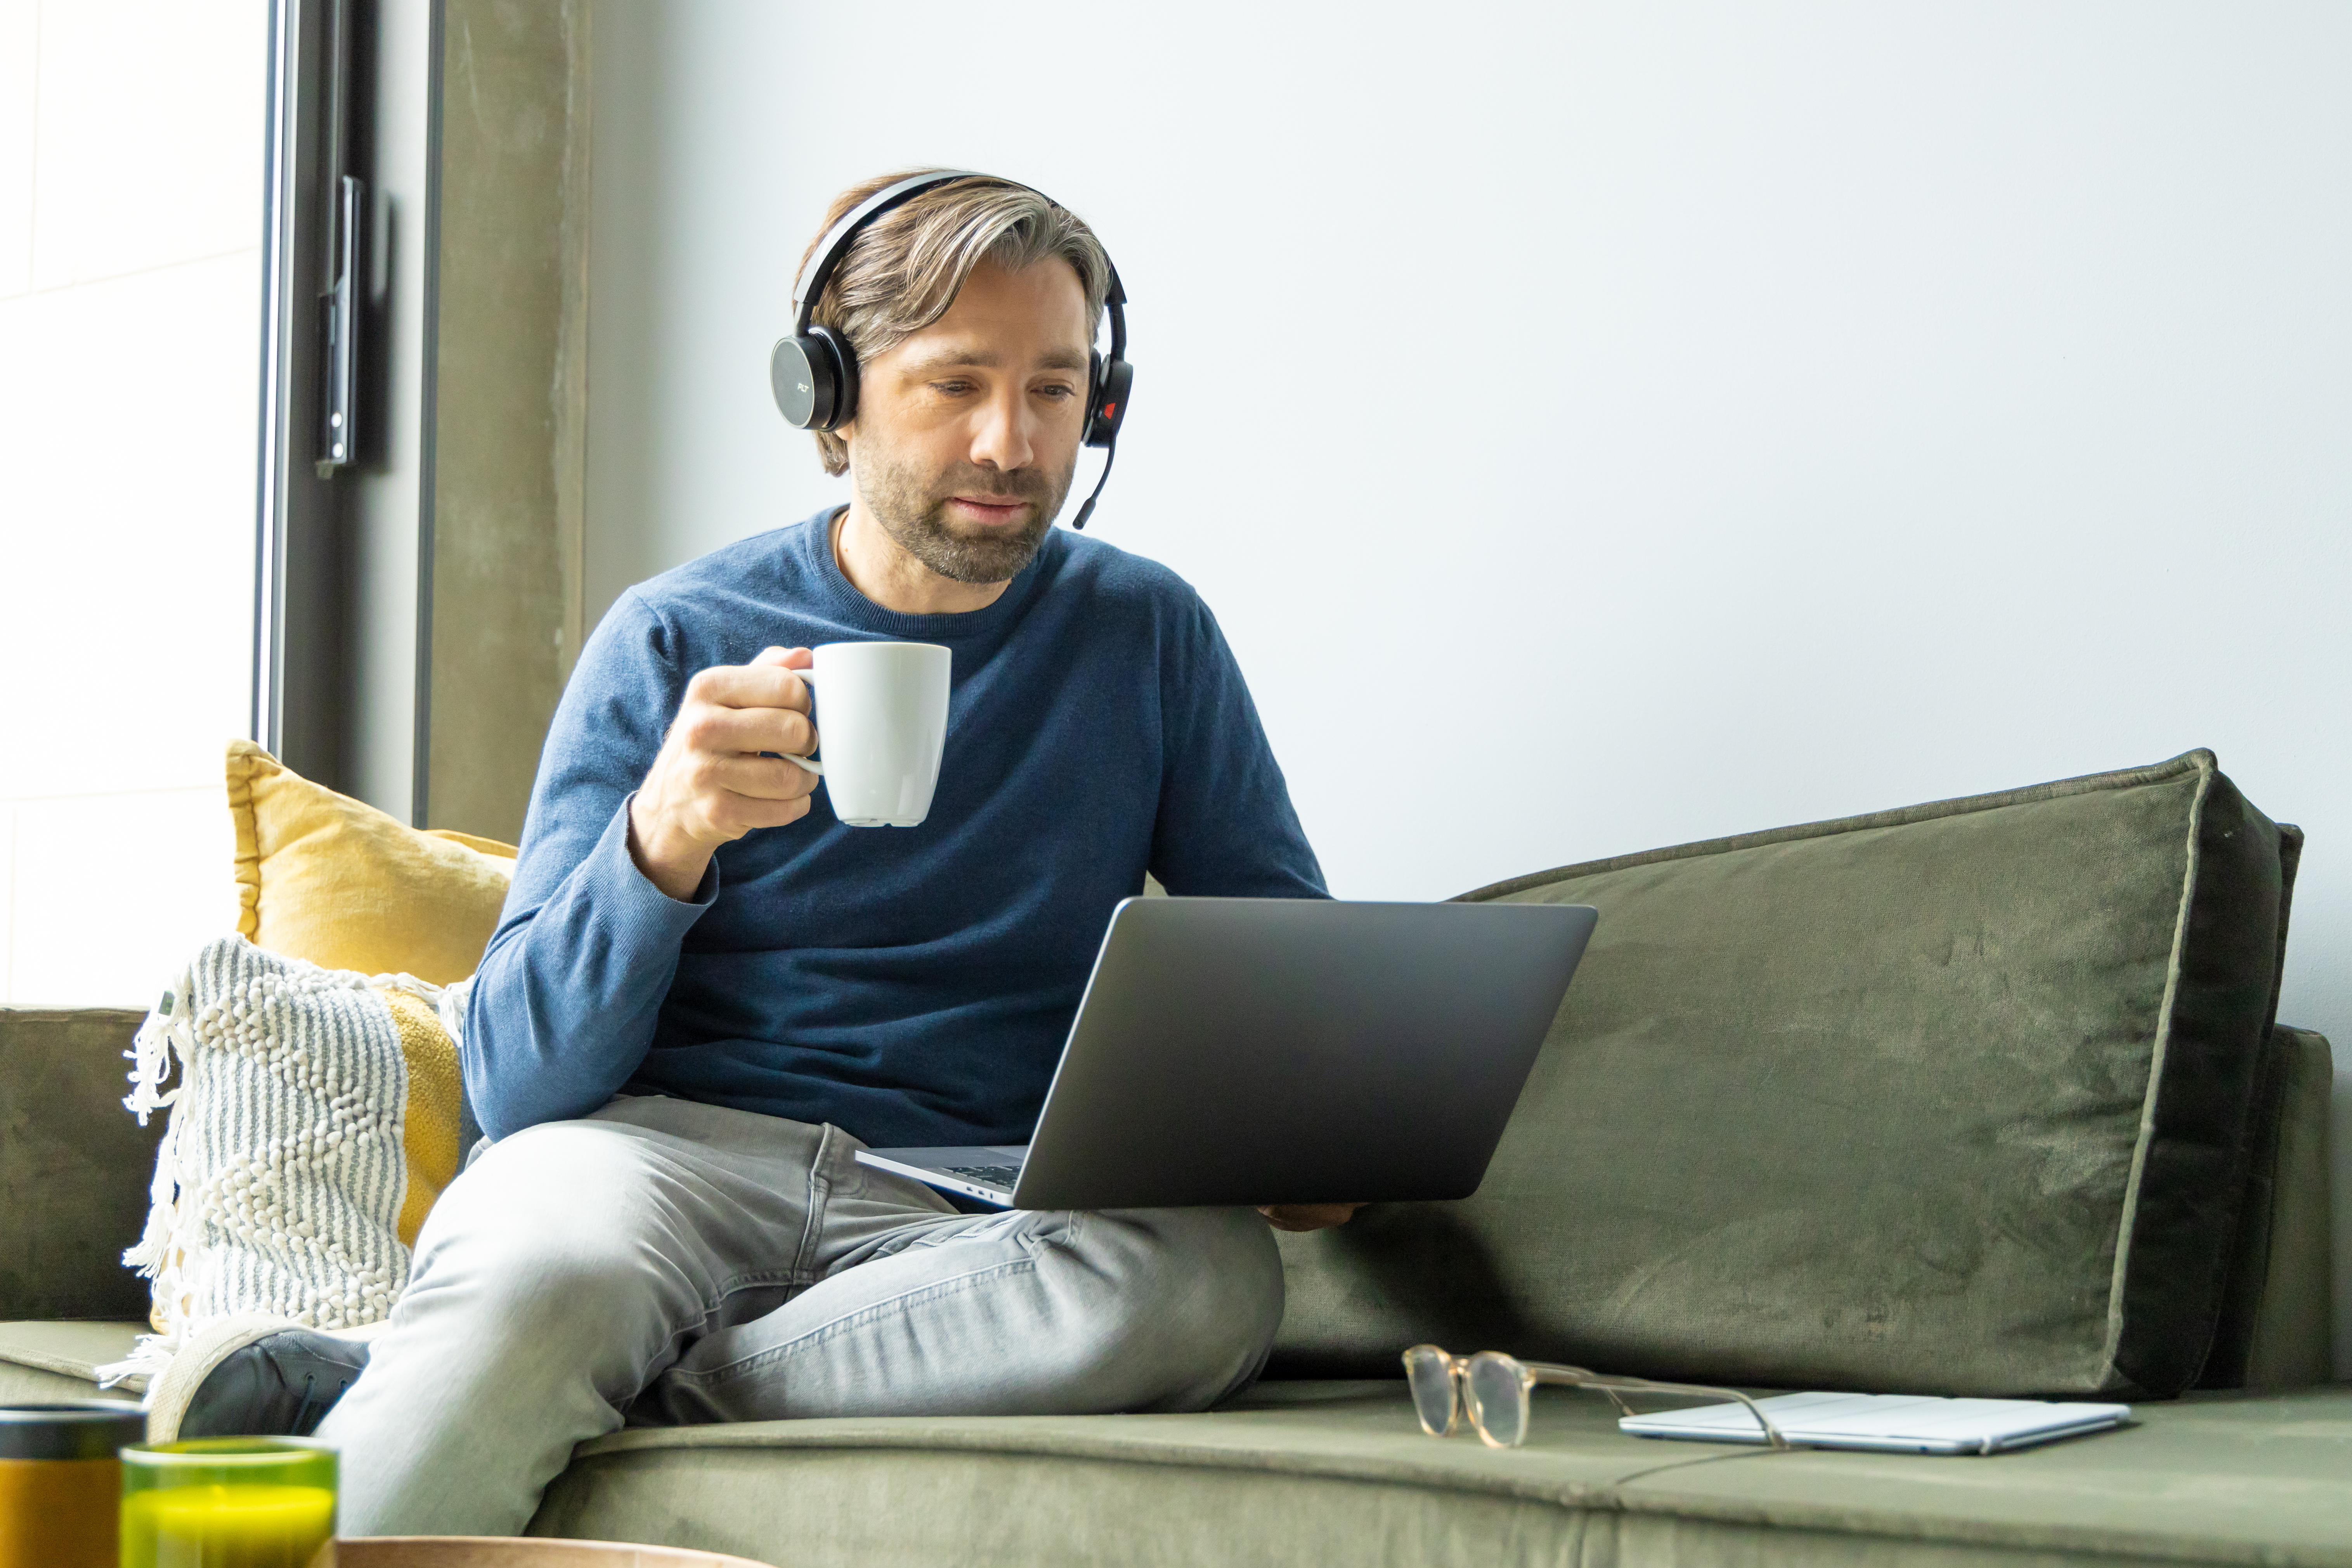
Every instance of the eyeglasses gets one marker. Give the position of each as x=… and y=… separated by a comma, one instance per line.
x=1495, y=1390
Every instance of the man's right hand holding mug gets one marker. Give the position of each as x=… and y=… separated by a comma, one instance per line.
x=709, y=786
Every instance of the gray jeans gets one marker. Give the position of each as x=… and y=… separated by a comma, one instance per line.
x=663, y=1262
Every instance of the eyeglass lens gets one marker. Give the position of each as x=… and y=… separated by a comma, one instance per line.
x=1498, y=1399
x=1431, y=1373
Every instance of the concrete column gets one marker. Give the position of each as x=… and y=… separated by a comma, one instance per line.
x=501, y=570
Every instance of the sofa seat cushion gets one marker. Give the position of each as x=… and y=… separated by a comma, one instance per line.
x=22, y=1385
x=1339, y=1473
x=49, y=1360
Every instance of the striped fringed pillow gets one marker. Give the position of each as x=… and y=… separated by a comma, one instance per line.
x=314, y=1121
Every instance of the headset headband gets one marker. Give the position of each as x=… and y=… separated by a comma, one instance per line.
x=837, y=239
x=835, y=248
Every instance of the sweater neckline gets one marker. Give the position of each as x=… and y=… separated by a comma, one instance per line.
x=815, y=548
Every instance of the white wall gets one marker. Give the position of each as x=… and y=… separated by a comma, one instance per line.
x=1670, y=419
x=130, y=149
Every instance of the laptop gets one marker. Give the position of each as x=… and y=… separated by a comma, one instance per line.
x=1232, y=1051
x=1888, y=1422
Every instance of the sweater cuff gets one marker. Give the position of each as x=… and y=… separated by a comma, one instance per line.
x=627, y=897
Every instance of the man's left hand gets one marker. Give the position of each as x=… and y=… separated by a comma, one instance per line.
x=1308, y=1217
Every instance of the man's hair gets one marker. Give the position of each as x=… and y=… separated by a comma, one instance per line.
x=905, y=268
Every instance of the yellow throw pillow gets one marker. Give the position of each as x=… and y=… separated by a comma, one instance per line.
x=332, y=881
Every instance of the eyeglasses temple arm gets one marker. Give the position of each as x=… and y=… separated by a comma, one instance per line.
x=1577, y=1377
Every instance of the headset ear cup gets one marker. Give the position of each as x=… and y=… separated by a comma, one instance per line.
x=843, y=366
x=800, y=374
x=1112, y=380
x=814, y=379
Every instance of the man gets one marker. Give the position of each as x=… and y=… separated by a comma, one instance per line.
x=705, y=993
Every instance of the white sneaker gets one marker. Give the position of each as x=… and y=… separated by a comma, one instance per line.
x=255, y=1375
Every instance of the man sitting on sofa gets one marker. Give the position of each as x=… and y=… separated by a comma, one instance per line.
x=707, y=993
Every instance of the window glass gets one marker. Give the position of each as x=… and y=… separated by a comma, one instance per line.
x=130, y=186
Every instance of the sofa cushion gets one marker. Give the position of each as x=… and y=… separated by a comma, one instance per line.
x=51, y=1359
x=73, y=1166
x=1303, y=1472
x=1337, y=1471
x=1315, y=1472
x=2278, y=1315
x=325, y=877
x=1340, y=1474
x=1952, y=1099
x=315, y=1120
x=22, y=1385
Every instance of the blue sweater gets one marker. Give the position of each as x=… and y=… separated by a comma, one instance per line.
x=910, y=985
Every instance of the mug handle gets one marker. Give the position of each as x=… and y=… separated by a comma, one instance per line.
x=809, y=764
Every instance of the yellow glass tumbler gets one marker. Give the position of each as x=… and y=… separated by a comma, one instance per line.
x=59, y=1481
x=228, y=1503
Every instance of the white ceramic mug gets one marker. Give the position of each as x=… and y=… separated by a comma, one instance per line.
x=882, y=722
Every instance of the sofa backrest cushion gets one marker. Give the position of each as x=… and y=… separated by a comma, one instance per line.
x=73, y=1167
x=2278, y=1315
x=1954, y=1099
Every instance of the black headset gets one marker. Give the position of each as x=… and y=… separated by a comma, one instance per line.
x=814, y=373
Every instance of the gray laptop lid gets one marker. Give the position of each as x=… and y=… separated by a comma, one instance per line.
x=1298, y=1050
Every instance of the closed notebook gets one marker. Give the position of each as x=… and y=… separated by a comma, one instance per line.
x=1888, y=1422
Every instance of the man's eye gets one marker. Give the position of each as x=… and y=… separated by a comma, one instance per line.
x=1058, y=391
x=951, y=388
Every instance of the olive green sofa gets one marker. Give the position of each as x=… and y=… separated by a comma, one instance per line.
x=1986, y=1096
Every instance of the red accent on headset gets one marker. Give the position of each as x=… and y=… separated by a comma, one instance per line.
x=1111, y=410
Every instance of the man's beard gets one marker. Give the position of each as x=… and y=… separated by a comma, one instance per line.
x=911, y=507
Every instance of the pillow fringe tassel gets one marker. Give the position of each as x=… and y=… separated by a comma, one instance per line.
x=160, y=1249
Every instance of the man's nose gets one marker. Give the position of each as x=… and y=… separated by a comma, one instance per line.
x=1003, y=439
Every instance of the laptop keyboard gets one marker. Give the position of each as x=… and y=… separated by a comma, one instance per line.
x=995, y=1175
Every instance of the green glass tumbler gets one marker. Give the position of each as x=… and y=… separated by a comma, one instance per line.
x=228, y=1503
